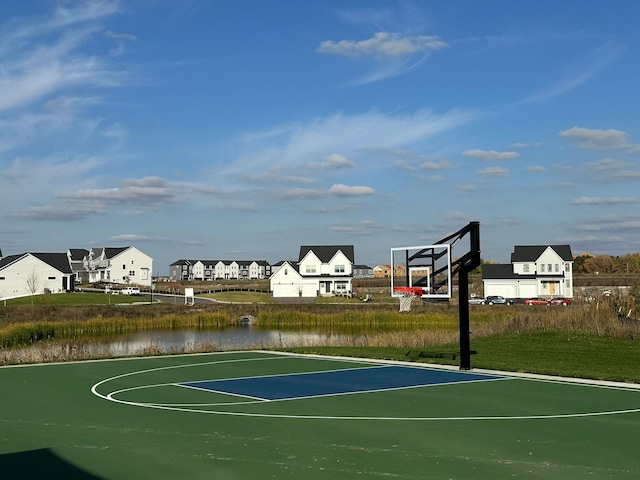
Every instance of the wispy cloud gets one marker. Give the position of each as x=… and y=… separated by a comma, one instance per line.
x=144, y=191
x=393, y=53
x=490, y=155
x=580, y=72
x=337, y=190
x=603, y=200
x=441, y=165
x=293, y=145
x=334, y=161
x=383, y=45
x=364, y=227
x=494, y=172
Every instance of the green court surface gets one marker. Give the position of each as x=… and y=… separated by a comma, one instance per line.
x=241, y=415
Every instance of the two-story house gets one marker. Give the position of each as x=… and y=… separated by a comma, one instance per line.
x=123, y=265
x=534, y=271
x=323, y=270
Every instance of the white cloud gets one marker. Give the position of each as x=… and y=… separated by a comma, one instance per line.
x=442, y=165
x=148, y=191
x=494, y=172
x=597, y=139
x=603, y=200
x=490, y=155
x=131, y=237
x=337, y=190
x=60, y=213
x=383, y=45
x=340, y=190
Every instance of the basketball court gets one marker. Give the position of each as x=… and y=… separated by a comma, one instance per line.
x=258, y=414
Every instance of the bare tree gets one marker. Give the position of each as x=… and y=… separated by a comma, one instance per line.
x=33, y=284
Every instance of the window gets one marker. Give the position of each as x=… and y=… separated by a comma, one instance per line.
x=51, y=278
x=525, y=268
x=567, y=267
x=286, y=271
x=549, y=268
x=310, y=269
x=556, y=268
x=542, y=268
x=132, y=273
x=124, y=267
x=2, y=278
x=339, y=269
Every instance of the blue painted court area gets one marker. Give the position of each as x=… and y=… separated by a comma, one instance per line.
x=336, y=382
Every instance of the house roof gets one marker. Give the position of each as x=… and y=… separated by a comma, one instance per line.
x=111, y=252
x=78, y=253
x=326, y=252
x=530, y=253
x=361, y=267
x=9, y=260
x=59, y=261
x=492, y=271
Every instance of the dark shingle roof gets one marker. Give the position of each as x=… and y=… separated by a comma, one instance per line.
x=10, y=259
x=326, y=252
x=59, y=261
x=529, y=253
x=78, y=253
x=491, y=271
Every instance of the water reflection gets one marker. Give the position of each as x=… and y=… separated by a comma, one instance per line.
x=228, y=339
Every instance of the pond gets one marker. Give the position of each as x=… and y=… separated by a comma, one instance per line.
x=169, y=342
x=227, y=339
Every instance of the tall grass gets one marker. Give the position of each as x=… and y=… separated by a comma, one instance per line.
x=66, y=333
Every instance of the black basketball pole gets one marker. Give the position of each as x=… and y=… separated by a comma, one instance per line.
x=463, y=321
x=469, y=262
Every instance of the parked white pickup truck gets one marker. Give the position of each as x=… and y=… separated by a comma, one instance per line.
x=130, y=291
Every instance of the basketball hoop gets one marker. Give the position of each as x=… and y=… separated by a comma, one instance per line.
x=405, y=303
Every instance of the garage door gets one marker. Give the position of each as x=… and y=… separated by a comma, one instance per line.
x=310, y=290
x=506, y=290
x=286, y=291
x=528, y=290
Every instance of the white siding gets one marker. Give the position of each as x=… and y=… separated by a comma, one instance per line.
x=28, y=276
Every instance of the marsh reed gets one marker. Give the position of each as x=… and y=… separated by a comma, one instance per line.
x=33, y=336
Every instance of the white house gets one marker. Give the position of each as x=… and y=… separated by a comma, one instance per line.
x=123, y=265
x=534, y=271
x=324, y=270
x=219, y=269
x=34, y=274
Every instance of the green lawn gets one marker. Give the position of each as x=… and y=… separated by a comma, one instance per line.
x=574, y=355
x=75, y=299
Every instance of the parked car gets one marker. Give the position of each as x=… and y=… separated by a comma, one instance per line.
x=476, y=300
x=497, y=300
x=130, y=291
x=560, y=301
x=535, y=301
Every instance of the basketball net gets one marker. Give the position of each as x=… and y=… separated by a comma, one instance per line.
x=405, y=303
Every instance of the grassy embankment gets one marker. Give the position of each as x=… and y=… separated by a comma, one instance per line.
x=584, y=340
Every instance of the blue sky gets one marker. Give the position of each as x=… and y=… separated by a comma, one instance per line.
x=243, y=129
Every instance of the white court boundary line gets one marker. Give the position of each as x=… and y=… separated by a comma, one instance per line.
x=532, y=377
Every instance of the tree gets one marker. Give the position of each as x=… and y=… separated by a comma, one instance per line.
x=33, y=284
